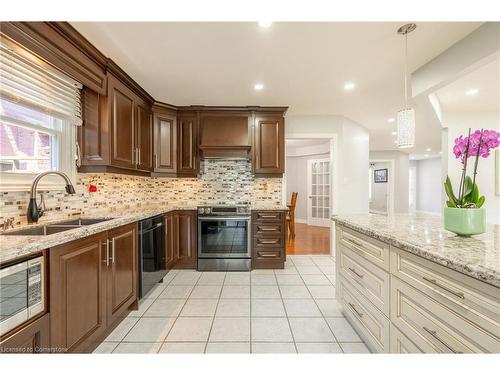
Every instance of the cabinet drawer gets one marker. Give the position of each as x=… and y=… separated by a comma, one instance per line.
x=434, y=327
x=267, y=216
x=268, y=241
x=400, y=344
x=472, y=299
x=372, y=250
x=366, y=318
x=370, y=280
x=268, y=229
x=268, y=254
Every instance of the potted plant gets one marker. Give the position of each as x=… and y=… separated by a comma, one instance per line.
x=464, y=214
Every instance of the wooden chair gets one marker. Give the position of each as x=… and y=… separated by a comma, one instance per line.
x=290, y=219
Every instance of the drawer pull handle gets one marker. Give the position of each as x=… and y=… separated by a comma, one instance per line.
x=269, y=229
x=356, y=243
x=433, y=281
x=355, y=309
x=269, y=216
x=356, y=272
x=435, y=335
x=267, y=255
x=268, y=242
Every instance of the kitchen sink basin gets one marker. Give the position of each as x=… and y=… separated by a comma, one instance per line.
x=45, y=230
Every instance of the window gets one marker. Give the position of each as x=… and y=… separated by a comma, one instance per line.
x=29, y=140
x=39, y=108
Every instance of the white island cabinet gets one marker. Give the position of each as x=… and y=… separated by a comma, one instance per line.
x=403, y=293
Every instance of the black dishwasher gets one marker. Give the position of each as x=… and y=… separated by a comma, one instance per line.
x=152, y=253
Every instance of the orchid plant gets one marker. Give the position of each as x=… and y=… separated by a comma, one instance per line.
x=478, y=144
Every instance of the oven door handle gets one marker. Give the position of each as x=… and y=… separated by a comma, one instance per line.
x=222, y=218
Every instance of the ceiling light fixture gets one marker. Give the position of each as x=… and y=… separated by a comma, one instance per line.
x=428, y=149
x=406, y=116
x=258, y=86
x=394, y=133
x=472, y=92
x=391, y=120
x=349, y=86
x=265, y=24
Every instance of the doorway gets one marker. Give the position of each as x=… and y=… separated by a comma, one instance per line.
x=309, y=171
x=381, y=187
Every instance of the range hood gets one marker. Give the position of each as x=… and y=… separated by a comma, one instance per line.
x=225, y=136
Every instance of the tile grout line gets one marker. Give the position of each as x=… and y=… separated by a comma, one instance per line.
x=314, y=299
x=286, y=314
x=215, y=313
x=140, y=317
x=175, y=318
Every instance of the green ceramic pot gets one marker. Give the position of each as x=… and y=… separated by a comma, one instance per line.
x=465, y=221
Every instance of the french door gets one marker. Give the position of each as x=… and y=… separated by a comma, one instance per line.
x=318, y=192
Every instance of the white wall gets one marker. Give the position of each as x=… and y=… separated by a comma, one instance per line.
x=429, y=185
x=458, y=123
x=380, y=190
x=400, y=175
x=350, y=193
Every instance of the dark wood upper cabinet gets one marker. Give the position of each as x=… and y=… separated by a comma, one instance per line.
x=77, y=293
x=165, y=143
x=144, y=137
x=93, y=135
x=269, y=145
x=122, y=120
x=121, y=285
x=187, y=144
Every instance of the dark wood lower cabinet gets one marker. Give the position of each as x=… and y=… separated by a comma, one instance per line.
x=121, y=284
x=33, y=338
x=93, y=282
x=268, y=239
x=181, y=239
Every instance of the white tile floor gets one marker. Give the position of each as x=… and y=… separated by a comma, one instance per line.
x=293, y=310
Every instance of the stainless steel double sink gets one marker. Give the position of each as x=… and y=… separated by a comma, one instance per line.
x=44, y=230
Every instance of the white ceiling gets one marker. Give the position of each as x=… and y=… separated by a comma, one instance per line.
x=453, y=98
x=302, y=65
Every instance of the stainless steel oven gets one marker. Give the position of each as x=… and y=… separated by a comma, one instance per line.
x=224, y=238
x=21, y=293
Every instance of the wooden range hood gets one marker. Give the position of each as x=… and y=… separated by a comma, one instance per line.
x=225, y=135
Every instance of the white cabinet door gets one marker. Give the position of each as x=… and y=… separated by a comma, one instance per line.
x=318, y=192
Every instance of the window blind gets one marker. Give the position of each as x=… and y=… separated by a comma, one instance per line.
x=29, y=81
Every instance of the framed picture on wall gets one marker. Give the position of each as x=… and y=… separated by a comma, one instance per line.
x=497, y=172
x=380, y=175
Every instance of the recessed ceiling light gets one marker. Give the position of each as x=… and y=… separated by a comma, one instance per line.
x=258, y=86
x=394, y=133
x=471, y=92
x=265, y=24
x=428, y=149
x=349, y=86
x=391, y=119
x=426, y=155
x=440, y=152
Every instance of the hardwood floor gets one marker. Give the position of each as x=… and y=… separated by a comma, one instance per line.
x=309, y=240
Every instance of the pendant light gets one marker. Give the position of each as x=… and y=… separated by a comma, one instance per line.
x=406, y=116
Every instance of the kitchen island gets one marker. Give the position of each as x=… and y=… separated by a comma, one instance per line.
x=408, y=285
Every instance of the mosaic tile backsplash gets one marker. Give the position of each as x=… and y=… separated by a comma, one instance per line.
x=220, y=182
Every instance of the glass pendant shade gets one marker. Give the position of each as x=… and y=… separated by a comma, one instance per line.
x=406, y=128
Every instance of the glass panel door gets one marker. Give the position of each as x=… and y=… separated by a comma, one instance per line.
x=319, y=192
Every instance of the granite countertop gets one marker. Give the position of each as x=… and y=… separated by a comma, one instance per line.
x=424, y=235
x=13, y=247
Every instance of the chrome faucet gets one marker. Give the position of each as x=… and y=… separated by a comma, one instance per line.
x=35, y=212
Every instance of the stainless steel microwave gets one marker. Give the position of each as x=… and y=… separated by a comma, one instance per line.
x=21, y=293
